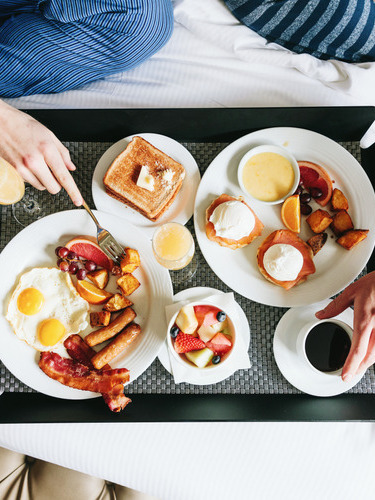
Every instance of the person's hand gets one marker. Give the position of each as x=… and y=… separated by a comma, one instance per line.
x=361, y=295
x=36, y=153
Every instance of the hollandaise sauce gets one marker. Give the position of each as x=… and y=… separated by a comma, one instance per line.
x=268, y=176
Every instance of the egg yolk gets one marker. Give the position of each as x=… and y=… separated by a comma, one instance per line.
x=30, y=301
x=51, y=331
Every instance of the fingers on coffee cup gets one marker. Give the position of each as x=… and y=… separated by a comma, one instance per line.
x=324, y=345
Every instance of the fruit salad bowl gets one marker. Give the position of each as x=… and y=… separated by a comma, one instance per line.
x=201, y=336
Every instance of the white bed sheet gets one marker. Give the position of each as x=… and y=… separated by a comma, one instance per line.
x=212, y=60
x=213, y=461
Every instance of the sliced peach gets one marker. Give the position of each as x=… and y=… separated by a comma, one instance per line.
x=92, y=293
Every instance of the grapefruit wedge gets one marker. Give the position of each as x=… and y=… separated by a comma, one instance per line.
x=313, y=176
x=88, y=249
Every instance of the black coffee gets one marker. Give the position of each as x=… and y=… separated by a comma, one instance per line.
x=327, y=347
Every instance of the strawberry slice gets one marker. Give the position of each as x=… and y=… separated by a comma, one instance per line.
x=186, y=343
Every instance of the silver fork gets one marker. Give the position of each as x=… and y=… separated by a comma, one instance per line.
x=106, y=241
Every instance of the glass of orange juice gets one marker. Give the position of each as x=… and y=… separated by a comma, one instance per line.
x=174, y=248
x=12, y=187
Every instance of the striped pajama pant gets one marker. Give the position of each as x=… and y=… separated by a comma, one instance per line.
x=327, y=29
x=56, y=45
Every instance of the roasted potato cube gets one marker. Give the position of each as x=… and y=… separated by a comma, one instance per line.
x=117, y=302
x=341, y=223
x=131, y=261
x=128, y=284
x=317, y=241
x=319, y=220
x=99, y=278
x=351, y=238
x=101, y=318
x=338, y=200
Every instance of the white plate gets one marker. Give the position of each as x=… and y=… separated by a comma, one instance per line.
x=183, y=206
x=294, y=369
x=335, y=266
x=34, y=247
x=215, y=376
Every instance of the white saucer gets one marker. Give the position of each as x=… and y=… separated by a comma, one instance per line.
x=211, y=377
x=294, y=369
x=183, y=206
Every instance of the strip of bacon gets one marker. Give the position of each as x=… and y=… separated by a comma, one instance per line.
x=116, y=399
x=81, y=352
x=73, y=374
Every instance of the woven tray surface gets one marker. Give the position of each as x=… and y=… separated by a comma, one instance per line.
x=264, y=376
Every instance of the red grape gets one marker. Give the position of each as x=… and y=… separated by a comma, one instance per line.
x=57, y=250
x=90, y=265
x=63, y=252
x=299, y=190
x=306, y=209
x=64, y=266
x=316, y=192
x=73, y=268
x=71, y=255
x=305, y=198
x=81, y=274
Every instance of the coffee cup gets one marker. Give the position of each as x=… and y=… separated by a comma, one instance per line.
x=324, y=345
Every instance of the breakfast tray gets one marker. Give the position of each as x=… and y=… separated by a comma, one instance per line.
x=260, y=393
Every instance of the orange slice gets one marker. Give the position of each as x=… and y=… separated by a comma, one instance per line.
x=291, y=213
x=12, y=187
x=91, y=293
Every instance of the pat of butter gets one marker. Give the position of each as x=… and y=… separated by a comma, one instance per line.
x=145, y=179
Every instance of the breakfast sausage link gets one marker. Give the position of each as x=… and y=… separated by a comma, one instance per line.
x=117, y=345
x=107, y=332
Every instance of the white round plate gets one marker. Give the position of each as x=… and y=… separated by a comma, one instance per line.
x=209, y=377
x=293, y=367
x=335, y=266
x=183, y=206
x=34, y=247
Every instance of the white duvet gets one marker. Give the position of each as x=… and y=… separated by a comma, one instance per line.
x=211, y=61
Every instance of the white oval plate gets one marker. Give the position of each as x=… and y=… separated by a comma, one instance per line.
x=293, y=367
x=34, y=247
x=183, y=206
x=335, y=266
x=211, y=376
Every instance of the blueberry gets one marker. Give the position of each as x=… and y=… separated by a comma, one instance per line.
x=174, y=331
x=221, y=316
x=216, y=360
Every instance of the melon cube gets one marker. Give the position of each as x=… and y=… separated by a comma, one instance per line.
x=206, y=333
x=200, y=358
x=226, y=331
x=186, y=320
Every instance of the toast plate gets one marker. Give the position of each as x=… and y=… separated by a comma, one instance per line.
x=182, y=207
x=34, y=247
x=335, y=266
x=210, y=376
x=295, y=369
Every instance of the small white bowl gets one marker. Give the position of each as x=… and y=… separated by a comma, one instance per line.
x=270, y=148
x=302, y=336
x=181, y=359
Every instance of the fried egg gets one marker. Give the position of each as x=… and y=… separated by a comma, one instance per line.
x=45, y=309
